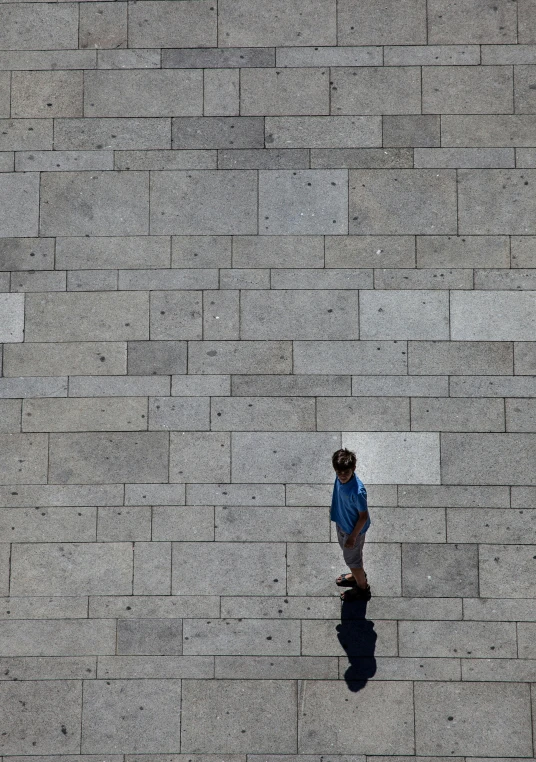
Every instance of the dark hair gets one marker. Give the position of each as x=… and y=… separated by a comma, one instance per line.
x=343, y=459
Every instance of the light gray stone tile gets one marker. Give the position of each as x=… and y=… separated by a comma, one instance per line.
x=406, y=525
x=11, y=318
x=48, y=525
x=112, y=253
x=278, y=92
x=91, y=458
x=255, y=23
x=508, y=54
x=321, y=279
x=62, y=161
x=26, y=254
x=36, y=60
x=207, y=386
x=36, y=607
x=25, y=134
x=350, y=357
x=156, y=357
x=137, y=667
x=265, y=563
x=473, y=729
x=520, y=415
x=471, y=22
x=236, y=494
x=327, y=638
x=496, y=201
x=5, y=552
x=252, y=637
x=457, y=415
x=176, y=315
x=320, y=494
x=344, y=728
x=287, y=206
x=221, y=92
x=149, y=58
x=218, y=202
x=526, y=22
x=167, y=24
x=526, y=157
x=406, y=278
x=467, y=90
x=399, y=201
x=415, y=608
x=399, y=386
x=395, y=668
x=167, y=279
x=39, y=27
x=32, y=495
x=271, y=524
x=75, y=637
x=432, y=55
x=464, y=157
x=364, y=414
x=153, y=606
x=221, y=317
x=278, y=251
x=526, y=640
x=185, y=464
x=92, y=280
x=324, y=131
x=508, y=280
x=459, y=640
x=44, y=713
x=183, y=524
x=491, y=526
x=10, y=416
x=523, y=254
x=46, y=94
x=507, y=570
x=392, y=23
x=216, y=58
x=186, y=414
x=411, y=130
x=432, y=570
x=507, y=670
x=123, y=524
x=264, y=158
x=201, y=251
x=361, y=158
x=358, y=55
x=117, y=386
x=370, y=251
x=143, y=92
x=522, y=497
x=19, y=205
x=108, y=134
x=487, y=130
x=103, y=25
x=493, y=316
x=272, y=607
x=23, y=458
x=456, y=497
x=313, y=567
x=7, y=161
x=86, y=316
x=118, y=414
x=48, y=668
x=217, y=131
x=26, y=280
x=453, y=357
x=463, y=251
x=5, y=91
x=112, y=718
x=524, y=99
x=276, y=667
x=16, y=388
x=239, y=357
x=71, y=568
x=107, y=203
x=262, y=414
x=375, y=90
x=162, y=637
x=414, y=314
x=280, y=386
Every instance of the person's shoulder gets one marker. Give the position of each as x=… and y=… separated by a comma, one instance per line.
x=360, y=486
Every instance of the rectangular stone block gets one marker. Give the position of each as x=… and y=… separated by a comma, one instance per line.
x=26, y=254
x=185, y=464
x=493, y=316
x=81, y=495
x=121, y=524
x=457, y=415
x=186, y=414
x=92, y=280
x=403, y=458
x=496, y=201
x=506, y=670
x=7, y=161
x=271, y=524
x=38, y=712
x=153, y=494
x=16, y=388
x=221, y=92
x=19, y=205
x=523, y=251
x=399, y=386
x=129, y=59
x=526, y=640
x=47, y=94
x=295, y=607
x=119, y=414
x=415, y=608
x=376, y=90
x=201, y=251
x=49, y=667
x=395, y=668
x=27, y=281
x=152, y=568
x=370, y=251
x=236, y=494
x=463, y=251
x=112, y=253
x=277, y=92
x=265, y=563
x=329, y=56
x=322, y=733
x=364, y=23
x=143, y=92
x=490, y=526
x=108, y=134
x=459, y=640
x=323, y=132
x=350, y=357
x=301, y=386
x=112, y=719
x=411, y=130
x=453, y=357
x=59, y=607
x=209, y=132
x=221, y=317
x=423, y=279
x=508, y=54
x=377, y=205
x=467, y=90
x=287, y=206
x=456, y=497
x=11, y=318
x=262, y=414
x=473, y=729
x=166, y=24
x=278, y=251
x=321, y=279
x=153, y=607
x=416, y=314
x=206, y=386
x=499, y=609
x=23, y=458
x=84, y=317
x=264, y=158
x=239, y=279
x=107, y=203
x=218, y=202
x=239, y=357
x=318, y=640
x=276, y=667
x=57, y=638
x=10, y=416
x=512, y=575
x=62, y=161
x=232, y=636
x=522, y=497
x=253, y=23
x=149, y=636
x=432, y=570
x=103, y=26
x=365, y=414
x=361, y=158
x=156, y=357
x=432, y=55
x=524, y=358
x=464, y=157
x=36, y=60
x=520, y=415
x=118, y=386
x=457, y=23
x=166, y=159
x=176, y=315
x=405, y=525
x=216, y=58
x=487, y=130
x=71, y=568
x=25, y=134
x=524, y=100
x=183, y=524
x=38, y=27
x=143, y=667
x=297, y=314
x=525, y=157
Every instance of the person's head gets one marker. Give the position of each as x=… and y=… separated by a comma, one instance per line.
x=344, y=463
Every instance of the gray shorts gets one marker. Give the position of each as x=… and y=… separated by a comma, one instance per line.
x=353, y=557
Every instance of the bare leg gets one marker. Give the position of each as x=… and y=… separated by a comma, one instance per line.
x=360, y=578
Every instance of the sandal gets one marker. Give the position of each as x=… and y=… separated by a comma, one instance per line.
x=356, y=594
x=343, y=581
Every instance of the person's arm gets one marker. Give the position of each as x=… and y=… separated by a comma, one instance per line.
x=362, y=518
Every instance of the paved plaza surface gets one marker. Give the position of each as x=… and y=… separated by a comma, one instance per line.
x=235, y=236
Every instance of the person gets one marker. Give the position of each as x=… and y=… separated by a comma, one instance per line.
x=349, y=511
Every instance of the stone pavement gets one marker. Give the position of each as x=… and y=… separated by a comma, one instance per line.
x=235, y=236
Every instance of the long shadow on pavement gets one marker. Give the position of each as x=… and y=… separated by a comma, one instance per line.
x=356, y=635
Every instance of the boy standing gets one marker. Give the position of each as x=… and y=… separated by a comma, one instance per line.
x=350, y=512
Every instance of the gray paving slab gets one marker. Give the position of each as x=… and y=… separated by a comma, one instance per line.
x=48, y=524
x=39, y=27
x=46, y=94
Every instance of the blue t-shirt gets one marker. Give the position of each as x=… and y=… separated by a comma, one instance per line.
x=347, y=502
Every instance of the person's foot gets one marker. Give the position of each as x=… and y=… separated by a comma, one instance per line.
x=346, y=580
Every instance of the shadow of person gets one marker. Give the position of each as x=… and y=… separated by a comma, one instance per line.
x=356, y=635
